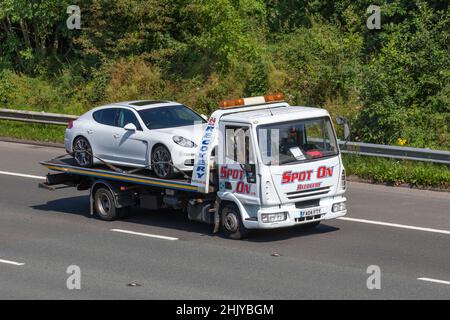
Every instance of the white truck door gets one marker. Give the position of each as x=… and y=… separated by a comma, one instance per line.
x=237, y=168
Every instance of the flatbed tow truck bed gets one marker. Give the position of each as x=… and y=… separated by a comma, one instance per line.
x=68, y=165
x=114, y=189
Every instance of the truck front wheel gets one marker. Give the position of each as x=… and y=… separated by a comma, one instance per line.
x=231, y=222
x=105, y=206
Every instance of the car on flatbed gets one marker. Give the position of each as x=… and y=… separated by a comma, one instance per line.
x=159, y=135
x=260, y=164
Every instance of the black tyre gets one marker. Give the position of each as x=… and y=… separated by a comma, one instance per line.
x=231, y=222
x=105, y=206
x=82, y=152
x=162, y=163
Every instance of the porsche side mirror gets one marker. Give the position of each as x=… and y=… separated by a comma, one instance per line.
x=130, y=127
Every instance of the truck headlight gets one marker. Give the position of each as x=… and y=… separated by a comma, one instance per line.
x=273, y=217
x=338, y=207
x=184, y=142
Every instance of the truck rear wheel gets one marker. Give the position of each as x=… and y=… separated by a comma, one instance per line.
x=231, y=222
x=105, y=206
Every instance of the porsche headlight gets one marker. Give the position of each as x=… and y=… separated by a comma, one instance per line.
x=184, y=142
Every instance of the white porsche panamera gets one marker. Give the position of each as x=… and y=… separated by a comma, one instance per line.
x=161, y=135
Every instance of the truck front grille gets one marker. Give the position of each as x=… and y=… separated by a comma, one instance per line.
x=307, y=193
x=307, y=204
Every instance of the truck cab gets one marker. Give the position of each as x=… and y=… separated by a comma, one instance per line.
x=277, y=165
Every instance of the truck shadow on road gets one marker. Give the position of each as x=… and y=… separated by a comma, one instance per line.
x=175, y=220
x=78, y=205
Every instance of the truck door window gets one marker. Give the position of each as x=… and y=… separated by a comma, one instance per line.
x=238, y=145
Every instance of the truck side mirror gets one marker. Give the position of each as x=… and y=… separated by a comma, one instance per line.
x=344, y=122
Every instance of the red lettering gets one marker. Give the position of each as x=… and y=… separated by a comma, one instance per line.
x=301, y=176
x=308, y=186
x=320, y=172
x=329, y=172
x=223, y=172
x=324, y=172
x=286, y=177
x=289, y=177
x=234, y=174
x=242, y=187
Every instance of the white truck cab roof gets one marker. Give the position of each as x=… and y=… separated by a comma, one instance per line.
x=276, y=112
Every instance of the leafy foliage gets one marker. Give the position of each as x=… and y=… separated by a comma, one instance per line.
x=392, y=83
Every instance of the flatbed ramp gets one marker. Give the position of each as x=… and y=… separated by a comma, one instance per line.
x=68, y=165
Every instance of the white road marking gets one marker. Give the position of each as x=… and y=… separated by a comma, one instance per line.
x=12, y=262
x=395, y=225
x=434, y=280
x=144, y=234
x=388, y=224
x=21, y=175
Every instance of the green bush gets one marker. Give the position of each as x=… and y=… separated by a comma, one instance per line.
x=321, y=63
x=392, y=83
x=406, y=91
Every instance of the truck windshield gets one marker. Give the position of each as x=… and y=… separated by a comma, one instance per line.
x=296, y=141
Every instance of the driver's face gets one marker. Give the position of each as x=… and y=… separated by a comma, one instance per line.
x=292, y=133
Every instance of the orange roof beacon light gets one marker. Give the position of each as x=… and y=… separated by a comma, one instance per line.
x=241, y=102
x=230, y=103
x=274, y=97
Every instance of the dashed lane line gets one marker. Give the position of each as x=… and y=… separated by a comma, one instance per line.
x=144, y=234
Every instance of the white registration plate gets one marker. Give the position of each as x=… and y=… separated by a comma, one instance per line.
x=309, y=212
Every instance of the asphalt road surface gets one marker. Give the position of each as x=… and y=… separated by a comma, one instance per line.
x=406, y=233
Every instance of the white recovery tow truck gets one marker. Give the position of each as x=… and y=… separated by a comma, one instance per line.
x=261, y=164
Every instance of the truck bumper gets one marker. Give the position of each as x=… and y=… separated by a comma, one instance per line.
x=295, y=216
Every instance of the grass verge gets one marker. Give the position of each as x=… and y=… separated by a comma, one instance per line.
x=398, y=172
x=32, y=131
